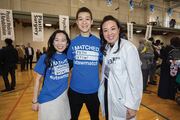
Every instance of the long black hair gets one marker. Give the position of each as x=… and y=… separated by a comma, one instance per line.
x=103, y=41
x=51, y=50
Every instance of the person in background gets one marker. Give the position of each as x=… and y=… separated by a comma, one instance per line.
x=120, y=91
x=84, y=53
x=9, y=59
x=44, y=50
x=52, y=101
x=172, y=23
x=146, y=54
x=29, y=55
x=21, y=54
x=157, y=46
x=38, y=54
x=153, y=64
x=167, y=85
x=157, y=61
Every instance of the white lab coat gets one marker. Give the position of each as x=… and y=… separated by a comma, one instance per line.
x=125, y=86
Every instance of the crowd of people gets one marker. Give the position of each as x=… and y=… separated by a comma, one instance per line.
x=126, y=71
x=155, y=56
x=10, y=56
x=8, y=61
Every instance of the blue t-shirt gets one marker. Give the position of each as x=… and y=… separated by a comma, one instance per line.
x=56, y=79
x=86, y=55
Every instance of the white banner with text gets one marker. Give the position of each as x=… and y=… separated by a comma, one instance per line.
x=64, y=23
x=6, y=24
x=148, y=32
x=37, y=27
x=130, y=31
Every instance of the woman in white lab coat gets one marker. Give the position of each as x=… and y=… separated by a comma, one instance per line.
x=120, y=91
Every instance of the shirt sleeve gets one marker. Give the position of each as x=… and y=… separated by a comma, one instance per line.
x=100, y=57
x=133, y=65
x=40, y=65
x=69, y=53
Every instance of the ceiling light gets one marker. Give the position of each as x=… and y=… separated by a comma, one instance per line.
x=48, y=25
x=138, y=31
x=164, y=33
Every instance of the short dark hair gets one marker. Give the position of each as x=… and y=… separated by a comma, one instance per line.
x=8, y=41
x=151, y=39
x=83, y=9
x=175, y=41
x=158, y=42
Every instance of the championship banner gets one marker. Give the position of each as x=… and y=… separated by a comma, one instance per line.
x=37, y=27
x=6, y=24
x=64, y=23
x=130, y=31
x=148, y=32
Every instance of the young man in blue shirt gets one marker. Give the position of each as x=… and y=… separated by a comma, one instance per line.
x=84, y=53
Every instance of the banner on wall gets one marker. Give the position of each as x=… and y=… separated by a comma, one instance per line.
x=130, y=31
x=170, y=11
x=131, y=5
x=37, y=27
x=109, y=2
x=148, y=32
x=151, y=7
x=6, y=24
x=64, y=23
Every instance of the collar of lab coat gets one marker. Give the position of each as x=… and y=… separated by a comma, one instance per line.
x=112, y=49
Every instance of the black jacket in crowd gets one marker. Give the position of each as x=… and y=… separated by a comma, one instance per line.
x=9, y=56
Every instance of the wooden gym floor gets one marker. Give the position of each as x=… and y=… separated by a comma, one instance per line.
x=16, y=105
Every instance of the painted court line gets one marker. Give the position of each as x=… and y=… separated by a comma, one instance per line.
x=155, y=112
x=19, y=99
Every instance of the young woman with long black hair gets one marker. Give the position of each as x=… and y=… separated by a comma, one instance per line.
x=52, y=101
